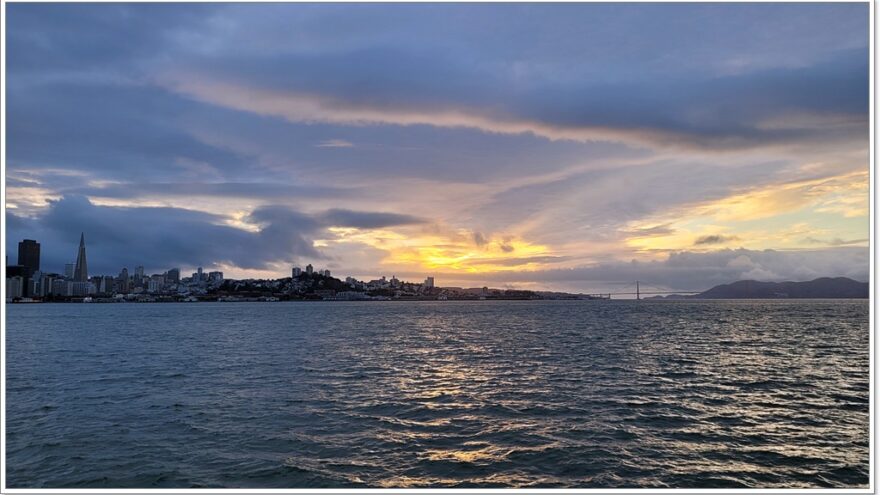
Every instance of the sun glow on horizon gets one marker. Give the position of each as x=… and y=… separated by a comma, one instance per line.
x=457, y=250
x=792, y=215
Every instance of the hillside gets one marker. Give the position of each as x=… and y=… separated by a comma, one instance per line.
x=821, y=288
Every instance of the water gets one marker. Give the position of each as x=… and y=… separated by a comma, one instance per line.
x=439, y=394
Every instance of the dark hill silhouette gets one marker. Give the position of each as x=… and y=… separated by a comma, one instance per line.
x=821, y=288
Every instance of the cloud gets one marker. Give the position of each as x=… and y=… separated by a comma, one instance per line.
x=826, y=100
x=575, y=128
x=837, y=241
x=335, y=143
x=163, y=237
x=688, y=270
x=226, y=189
x=714, y=239
x=367, y=220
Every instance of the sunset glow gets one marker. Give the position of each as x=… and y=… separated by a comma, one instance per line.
x=484, y=153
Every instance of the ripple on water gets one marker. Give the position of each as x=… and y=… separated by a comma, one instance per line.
x=452, y=394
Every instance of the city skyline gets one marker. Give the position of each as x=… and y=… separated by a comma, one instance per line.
x=28, y=263
x=412, y=141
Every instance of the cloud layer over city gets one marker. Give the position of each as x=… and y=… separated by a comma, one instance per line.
x=563, y=146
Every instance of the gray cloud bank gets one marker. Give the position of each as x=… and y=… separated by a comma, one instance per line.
x=161, y=237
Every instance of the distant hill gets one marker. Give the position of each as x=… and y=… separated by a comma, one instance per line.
x=821, y=288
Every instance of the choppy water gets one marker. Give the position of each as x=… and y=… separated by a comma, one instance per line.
x=433, y=394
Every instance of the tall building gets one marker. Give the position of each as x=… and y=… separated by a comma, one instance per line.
x=296, y=272
x=172, y=276
x=81, y=271
x=106, y=284
x=68, y=270
x=201, y=275
x=309, y=269
x=14, y=287
x=15, y=271
x=139, y=273
x=429, y=282
x=62, y=288
x=29, y=255
x=41, y=284
x=122, y=283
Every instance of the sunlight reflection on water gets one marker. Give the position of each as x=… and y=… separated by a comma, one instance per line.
x=517, y=393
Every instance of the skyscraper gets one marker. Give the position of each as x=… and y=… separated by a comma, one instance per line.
x=123, y=285
x=29, y=255
x=81, y=272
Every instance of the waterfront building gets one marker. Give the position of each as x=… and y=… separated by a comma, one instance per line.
x=351, y=296
x=14, y=287
x=41, y=284
x=60, y=287
x=33, y=284
x=29, y=255
x=81, y=288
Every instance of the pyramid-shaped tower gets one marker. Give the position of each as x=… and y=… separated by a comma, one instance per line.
x=81, y=272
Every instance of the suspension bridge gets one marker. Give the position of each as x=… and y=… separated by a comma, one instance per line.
x=635, y=289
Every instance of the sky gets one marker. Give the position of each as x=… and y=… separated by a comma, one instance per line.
x=572, y=147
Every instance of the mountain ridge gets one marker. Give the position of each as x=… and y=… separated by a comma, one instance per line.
x=820, y=288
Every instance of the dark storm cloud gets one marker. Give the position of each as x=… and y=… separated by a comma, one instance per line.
x=160, y=238
x=156, y=237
